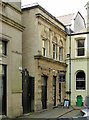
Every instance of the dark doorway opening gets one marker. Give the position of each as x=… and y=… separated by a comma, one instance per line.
x=59, y=92
x=44, y=92
x=3, y=89
x=28, y=92
x=54, y=90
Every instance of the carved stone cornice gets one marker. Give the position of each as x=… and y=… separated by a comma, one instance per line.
x=11, y=22
x=50, y=60
x=50, y=22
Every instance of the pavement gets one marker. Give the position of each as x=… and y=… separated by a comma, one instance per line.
x=57, y=112
x=52, y=114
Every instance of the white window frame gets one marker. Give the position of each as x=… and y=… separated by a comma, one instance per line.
x=61, y=54
x=78, y=48
x=43, y=48
x=55, y=51
x=3, y=47
x=81, y=80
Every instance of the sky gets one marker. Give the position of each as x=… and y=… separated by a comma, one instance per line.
x=60, y=7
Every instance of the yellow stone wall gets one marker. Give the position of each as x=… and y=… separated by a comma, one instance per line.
x=11, y=32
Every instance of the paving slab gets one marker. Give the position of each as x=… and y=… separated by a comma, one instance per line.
x=52, y=113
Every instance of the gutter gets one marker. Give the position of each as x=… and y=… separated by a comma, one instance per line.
x=45, y=11
x=78, y=33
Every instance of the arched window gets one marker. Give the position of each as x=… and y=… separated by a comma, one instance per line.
x=80, y=80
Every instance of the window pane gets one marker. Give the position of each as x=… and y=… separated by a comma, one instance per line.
x=54, y=51
x=54, y=48
x=60, y=54
x=80, y=75
x=80, y=85
x=4, y=47
x=43, y=51
x=80, y=43
x=80, y=80
x=80, y=48
x=43, y=47
x=80, y=52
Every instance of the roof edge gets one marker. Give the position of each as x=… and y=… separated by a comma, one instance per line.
x=36, y=5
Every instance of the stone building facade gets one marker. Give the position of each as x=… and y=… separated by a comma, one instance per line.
x=77, y=50
x=77, y=57
x=44, y=41
x=10, y=59
x=79, y=67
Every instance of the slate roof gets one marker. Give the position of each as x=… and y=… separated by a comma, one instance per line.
x=66, y=19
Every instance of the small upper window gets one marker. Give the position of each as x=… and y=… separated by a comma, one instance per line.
x=80, y=47
x=3, y=47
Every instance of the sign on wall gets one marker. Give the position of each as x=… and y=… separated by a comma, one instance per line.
x=62, y=77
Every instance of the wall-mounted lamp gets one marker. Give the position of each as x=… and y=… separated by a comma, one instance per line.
x=20, y=69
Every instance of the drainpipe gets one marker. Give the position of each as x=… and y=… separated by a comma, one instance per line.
x=70, y=65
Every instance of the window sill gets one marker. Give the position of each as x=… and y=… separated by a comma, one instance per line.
x=5, y=56
x=80, y=56
x=81, y=90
